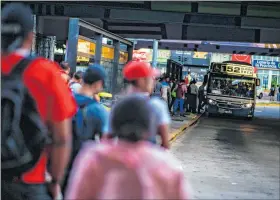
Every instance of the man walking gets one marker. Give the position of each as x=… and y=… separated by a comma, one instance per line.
x=34, y=98
x=141, y=77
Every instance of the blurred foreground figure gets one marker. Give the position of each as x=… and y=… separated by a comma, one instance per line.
x=91, y=118
x=34, y=101
x=141, y=77
x=131, y=168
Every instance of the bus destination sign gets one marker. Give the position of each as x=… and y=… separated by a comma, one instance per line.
x=239, y=70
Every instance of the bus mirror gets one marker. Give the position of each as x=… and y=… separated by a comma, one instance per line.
x=205, y=78
x=258, y=82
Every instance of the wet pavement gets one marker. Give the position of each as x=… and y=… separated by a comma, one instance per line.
x=232, y=158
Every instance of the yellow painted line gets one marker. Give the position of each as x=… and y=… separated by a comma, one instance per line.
x=179, y=131
x=268, y=104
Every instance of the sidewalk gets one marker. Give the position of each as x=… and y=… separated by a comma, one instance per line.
x=267, y=102
x=179, y=124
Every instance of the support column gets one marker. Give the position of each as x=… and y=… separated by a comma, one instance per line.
x=115, y=85
x=98, y=48
x=130, y=51
x=52, y=47
x=155, y=53
x=33, y=49
x=72, y=43
x=269, y=79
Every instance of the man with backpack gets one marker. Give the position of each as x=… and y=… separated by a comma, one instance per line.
x=180, y=93
x=92, y=117
x=130, y=168
x=35, y=105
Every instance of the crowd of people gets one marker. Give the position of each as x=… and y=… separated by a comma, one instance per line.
x=181, y=95
x=50, y=120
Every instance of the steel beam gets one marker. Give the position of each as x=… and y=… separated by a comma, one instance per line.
x=98, y=48
x=103, y=32
x=73, y=36
x=155, y=52
x=115, y=67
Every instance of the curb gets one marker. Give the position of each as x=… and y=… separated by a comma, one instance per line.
x=268, y=104
x=179, y=131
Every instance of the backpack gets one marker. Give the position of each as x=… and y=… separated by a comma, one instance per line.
x=80, y=133
x=79, y=136
x=23, y=134
x=179, y=91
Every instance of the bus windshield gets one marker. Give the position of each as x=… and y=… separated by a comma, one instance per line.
x=234, y=86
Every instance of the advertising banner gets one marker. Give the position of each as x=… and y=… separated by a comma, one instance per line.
x=123, y=57
x=144, y=55
x=163, y=55
x=241, y=58
x=107, y=53
x=266, y=64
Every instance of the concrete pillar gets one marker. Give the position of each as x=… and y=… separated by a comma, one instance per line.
x=52, y=47
x=130, y=51
x=115, y=85
x=155, y=53
x=98, y=48
x=269, y=79
x=72, y=43
x=33, y=50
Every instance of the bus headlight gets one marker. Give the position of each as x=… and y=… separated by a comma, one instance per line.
x=248, y=105
x=212, y=102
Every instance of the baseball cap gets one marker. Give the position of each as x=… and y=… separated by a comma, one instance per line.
x=137, y=69
x=93, y=74
x=131, y=125
x=16, y=24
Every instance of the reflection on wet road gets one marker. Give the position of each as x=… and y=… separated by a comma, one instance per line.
x=231, y=158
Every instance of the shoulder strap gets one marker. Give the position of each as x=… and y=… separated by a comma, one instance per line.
x=21, y=65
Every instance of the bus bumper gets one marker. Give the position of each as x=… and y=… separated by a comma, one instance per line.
x=243, y=112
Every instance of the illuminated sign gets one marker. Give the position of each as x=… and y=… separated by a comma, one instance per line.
x=86, y=50
x=266, y=64
x=238, y=70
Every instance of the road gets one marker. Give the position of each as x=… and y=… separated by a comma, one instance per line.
x=231, y=158
x=267, y=112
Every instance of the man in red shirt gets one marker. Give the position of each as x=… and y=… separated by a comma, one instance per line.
x=54, y=102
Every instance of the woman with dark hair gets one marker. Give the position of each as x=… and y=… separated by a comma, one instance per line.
x=65, y=71
x=75, y=83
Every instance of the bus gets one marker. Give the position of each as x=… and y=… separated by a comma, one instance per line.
x=231, y=89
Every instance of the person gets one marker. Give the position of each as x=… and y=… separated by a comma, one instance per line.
x=130, y=168
x=180, y=91
x=193, y=91
x=272, y=93
x=173, y=93
x=158, y=88
x=201, y=97
x=65, y=71
x=75, y=83
x=43, y=103
x=141, y=76
x=165, y=89
x=188, y=79
x=91, y=118
x=278, y=93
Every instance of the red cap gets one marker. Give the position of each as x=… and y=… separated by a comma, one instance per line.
x=137, y=69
